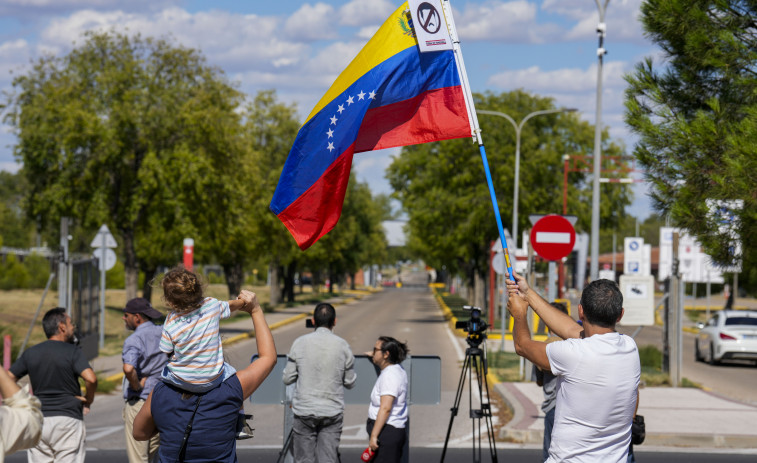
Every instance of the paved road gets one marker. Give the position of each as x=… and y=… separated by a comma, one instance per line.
x=736, y=380
x=509, y=454
x=409, y=314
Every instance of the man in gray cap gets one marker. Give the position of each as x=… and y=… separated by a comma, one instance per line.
x=143, y=361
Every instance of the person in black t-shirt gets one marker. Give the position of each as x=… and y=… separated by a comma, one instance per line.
x=54, y=368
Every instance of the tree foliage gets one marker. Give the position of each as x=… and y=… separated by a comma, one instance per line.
x=443, y=189
x=695, y=113
x=125, y=131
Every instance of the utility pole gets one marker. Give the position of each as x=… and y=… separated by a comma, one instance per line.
x=675, y=328
x=601, y=29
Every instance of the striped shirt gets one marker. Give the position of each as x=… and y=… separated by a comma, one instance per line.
x=194, y=341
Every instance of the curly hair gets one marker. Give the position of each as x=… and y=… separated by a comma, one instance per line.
x=182, y=290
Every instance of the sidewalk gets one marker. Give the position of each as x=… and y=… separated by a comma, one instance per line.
x=677, y=417
x=111, y=368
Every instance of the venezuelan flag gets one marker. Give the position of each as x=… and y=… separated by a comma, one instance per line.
x=390, y=95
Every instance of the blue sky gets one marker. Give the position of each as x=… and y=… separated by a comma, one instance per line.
x=298, y=47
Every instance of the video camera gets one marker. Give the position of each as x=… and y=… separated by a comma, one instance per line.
x=309, y=323
x=475, y=327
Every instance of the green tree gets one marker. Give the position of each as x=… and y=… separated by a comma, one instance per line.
x=269, y=131
x=15, y=230
x=93, y=125
x=695, y=112
x=444, y=192
x=358, y=238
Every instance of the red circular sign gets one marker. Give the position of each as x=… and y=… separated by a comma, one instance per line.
x=553, y=237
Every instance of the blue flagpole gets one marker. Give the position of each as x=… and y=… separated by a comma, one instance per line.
x=475, y=128
x=505, y=249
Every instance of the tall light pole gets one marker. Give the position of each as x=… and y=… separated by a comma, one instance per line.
x=601, y=28
x=518, y=128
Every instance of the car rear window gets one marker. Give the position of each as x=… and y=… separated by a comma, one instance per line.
x=741, y=321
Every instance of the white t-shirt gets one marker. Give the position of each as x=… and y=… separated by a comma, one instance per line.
x=598, y=379
x=392, y=381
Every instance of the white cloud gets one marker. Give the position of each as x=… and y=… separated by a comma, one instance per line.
x=232, y=41
x=621, y=17
x=365, y=12
x=504, y=21
x=561, y=80
x=14, y=54
x=11, y=167
x=311, y=22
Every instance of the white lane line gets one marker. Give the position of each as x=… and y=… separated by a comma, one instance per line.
x=100, y=432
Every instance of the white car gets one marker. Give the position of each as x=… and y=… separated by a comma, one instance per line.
x=729, y=334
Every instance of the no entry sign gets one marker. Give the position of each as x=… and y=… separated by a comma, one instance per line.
x=553, y=237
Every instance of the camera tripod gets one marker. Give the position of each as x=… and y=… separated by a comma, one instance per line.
x=288, y=446
x=475, y=360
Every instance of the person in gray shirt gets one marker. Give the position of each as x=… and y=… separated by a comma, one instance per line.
x=321, y=363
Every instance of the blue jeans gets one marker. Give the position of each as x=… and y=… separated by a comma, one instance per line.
x=549, y=421
x=169, y=378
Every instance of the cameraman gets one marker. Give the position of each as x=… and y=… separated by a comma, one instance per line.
x=322, y=365
x=598, y=371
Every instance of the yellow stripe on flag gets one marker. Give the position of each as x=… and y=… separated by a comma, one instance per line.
x=394, y=36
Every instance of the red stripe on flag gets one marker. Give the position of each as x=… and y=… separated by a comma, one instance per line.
x=317, y=211
x=438, y=114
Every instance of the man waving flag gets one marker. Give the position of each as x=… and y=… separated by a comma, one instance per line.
x=390, y=95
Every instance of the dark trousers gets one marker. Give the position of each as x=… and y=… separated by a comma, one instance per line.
x=391, y=443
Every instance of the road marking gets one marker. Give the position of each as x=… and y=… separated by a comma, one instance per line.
x=358, y=432
x=552, y=237
x=100, y=432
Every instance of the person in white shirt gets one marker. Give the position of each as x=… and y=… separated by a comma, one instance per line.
x=20, y=417
x=598, y=371
x=387, y=413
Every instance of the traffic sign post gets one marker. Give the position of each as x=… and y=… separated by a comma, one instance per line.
x=102, y=243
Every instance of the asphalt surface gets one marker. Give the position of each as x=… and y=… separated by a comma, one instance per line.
x=429, y=455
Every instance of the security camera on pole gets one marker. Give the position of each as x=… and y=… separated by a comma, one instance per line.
x=103, y=243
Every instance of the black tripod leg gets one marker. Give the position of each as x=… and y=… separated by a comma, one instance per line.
x=455, y=407
x=486, y=409
x=287, y=446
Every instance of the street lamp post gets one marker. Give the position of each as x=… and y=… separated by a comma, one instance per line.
x=601, y=29
x=518, y=128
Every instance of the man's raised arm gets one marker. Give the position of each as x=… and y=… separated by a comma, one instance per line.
x=557, y=321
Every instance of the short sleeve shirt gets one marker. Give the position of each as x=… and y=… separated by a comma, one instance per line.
x=141, y=350
x=392, y=381
x=54, y=368
x=598, y=380
x=194, y=339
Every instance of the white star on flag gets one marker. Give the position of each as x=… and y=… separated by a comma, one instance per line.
x=361, y=95
x=350, y=100
x=333, y=119
x=372, y=95
x=330, y=133
x=331, y=147
x=341, y=108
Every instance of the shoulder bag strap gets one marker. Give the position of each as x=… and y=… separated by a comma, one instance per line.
x=183, y=449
